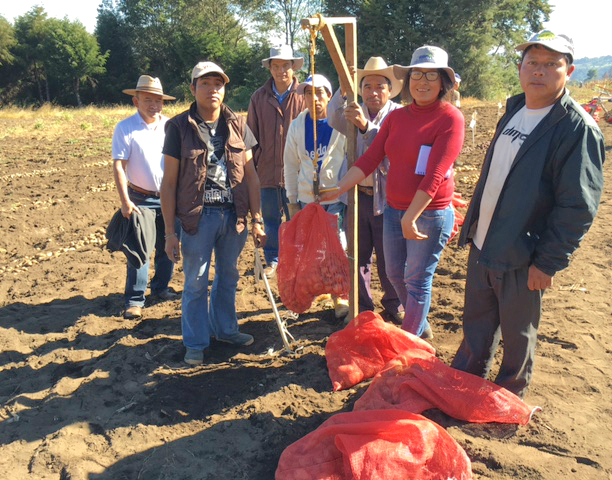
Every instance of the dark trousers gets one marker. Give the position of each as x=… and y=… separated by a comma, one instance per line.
x=499, y=304
x=370, y=235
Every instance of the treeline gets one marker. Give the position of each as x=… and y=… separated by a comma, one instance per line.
x=46, y=59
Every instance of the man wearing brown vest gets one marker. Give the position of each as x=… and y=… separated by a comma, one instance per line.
x=271, y=110
x=210, y=185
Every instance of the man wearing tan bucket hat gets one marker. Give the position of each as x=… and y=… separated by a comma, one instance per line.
x=138, y=168
x=272, y=109
x=377, y=85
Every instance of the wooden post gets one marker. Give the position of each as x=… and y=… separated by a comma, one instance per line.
x=349, y=85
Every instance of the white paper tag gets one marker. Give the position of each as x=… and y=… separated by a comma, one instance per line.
x=421, y=166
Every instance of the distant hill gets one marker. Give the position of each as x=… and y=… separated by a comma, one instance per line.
x=603, y=65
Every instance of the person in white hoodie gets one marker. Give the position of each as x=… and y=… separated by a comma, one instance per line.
x=301, y=157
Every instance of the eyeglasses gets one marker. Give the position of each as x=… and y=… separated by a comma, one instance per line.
x=429, y=76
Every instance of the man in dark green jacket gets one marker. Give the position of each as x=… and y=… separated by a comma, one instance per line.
x=537, y=196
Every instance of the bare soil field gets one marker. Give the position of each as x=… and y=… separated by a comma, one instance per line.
x=85, y=394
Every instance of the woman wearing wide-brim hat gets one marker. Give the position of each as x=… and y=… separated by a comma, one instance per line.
x=422, y=141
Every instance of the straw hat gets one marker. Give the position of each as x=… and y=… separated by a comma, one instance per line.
x=377, y=66
x=283, y=52
x=148, y=84
x=426, y=56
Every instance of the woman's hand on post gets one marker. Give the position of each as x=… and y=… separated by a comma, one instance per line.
x=328, y=195
x=172, y=247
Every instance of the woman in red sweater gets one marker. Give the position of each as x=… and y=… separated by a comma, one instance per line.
x=422, y=142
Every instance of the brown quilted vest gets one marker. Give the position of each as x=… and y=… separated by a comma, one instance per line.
x=192, y=168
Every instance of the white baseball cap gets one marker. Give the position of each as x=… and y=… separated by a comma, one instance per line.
x=559, y=43
x=319, y=81
x=205, y=68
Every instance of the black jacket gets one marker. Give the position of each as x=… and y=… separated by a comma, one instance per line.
x=134, y=236
x=550, y=196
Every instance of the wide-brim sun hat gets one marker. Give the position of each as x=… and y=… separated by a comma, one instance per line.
x=283, y=52
x=426, y=56
x=377, y=66
x=148, y=84
x=319, y=81
x=206, y=68
x=547, y=38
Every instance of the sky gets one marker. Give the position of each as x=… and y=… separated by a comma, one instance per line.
x=586, y=21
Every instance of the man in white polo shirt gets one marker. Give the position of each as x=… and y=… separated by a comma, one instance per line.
x=138, y=168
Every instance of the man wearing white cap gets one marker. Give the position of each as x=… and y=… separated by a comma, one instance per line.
x=138, y=167
x=302, y=156
x=210, y=185
x=538, y=193
x=272, y=109
x=377, y=85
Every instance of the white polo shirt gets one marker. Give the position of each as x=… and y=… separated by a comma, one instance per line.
x=140, y=144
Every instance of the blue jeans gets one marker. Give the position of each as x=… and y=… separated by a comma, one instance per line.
x=411, y=264
x=200, y=318
x=137, y=278
x=273, y=203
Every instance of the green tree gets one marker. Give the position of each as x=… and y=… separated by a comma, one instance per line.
x=591, y=74
x=73, y=55
x=7, y=41
x=167, y=38
x=31, y=33
x=478, y=35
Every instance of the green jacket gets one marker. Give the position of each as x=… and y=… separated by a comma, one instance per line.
x=551, y=194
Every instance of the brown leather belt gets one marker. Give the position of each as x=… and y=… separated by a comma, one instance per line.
x=148, y=193
x=367, y=190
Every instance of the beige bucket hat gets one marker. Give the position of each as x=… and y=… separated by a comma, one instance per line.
x=283, y=52
x=148, y=84
x=426, y=56
x=377, y=66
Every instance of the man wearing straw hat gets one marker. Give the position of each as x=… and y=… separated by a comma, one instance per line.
x=377, y=85
x=138, y=168
x=272, y=109
x=537, y=195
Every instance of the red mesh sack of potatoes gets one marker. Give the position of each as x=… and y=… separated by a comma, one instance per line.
x=311, y=260
x=416, y=381
x=377, y=444
x=363, y=348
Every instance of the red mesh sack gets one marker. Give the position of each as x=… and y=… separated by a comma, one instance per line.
x=364, y=346
x=311, y=260
x=416, y=381
x=377, y=444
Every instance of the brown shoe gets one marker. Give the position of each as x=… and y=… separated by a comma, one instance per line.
x=133, y=312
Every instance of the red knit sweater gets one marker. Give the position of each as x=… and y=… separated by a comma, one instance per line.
x=400, y=138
